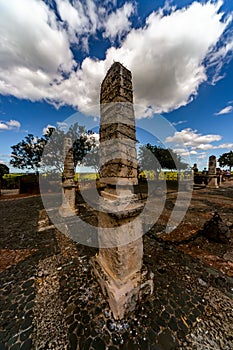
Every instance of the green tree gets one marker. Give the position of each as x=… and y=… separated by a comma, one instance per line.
x=27, y=153
x=164, y=158
x=92, y=159
x=82, y=140
x=226, y=159
x=47, y=151
x=3, y=170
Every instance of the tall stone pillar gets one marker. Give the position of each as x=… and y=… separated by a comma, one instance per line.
x=212, y=176
x=68, y=186
x=118, y=265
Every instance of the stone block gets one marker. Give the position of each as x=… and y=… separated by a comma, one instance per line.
x=123, y=297
x=119, y=169
x=68, y=202
x=118, y=149
x=117, y=131
x=117, y=112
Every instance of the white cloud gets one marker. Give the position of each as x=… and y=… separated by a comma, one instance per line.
x=165, y=56
x=3, y=126
x=202, y=156
x=62, y=125
x=194, y=143
x=46, y=128
x=225, y=145
x=81, y=17
x=225, y=110
x=118, y=22
x=10, y=125
x=33, y=49
x=4, y=159
x=203, y=146
x=13, y=124
x=96, y=137
x=179, y=122
x=191, y=138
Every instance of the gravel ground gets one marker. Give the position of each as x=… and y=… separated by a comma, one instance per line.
x=50, y=299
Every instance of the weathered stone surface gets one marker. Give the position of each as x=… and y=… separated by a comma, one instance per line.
x=122, y=149
x=118, y=266
x=212, y=165
x=212, y=177
x=117, y=85
x=216, y=230
x=117, y=112
x=119, y=169
x=122, y=294
x=117, y=131
x=68, y=186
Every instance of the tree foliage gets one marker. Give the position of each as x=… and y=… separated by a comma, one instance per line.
x=226, y=159
x=48, y=150
x=164, y=158
x=28, y=152
x=92, y=159
x=3, y=170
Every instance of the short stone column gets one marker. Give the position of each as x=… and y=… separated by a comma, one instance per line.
x=68, y=186
x=212, y=176
x=118, y=265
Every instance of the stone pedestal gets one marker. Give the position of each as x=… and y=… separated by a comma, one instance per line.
x=119, y=268
x=212, y=181
x=68, y=201
x=68, y=186
x=118, y=265
x=123, y=296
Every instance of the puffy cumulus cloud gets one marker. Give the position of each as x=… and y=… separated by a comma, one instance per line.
x=225, y=110
x=195, y=144
x=225, y=145
x=166, y=55
x=10, y=125
x=191, y=138
x=82, y=18
x=118, y=22
x=33, y=49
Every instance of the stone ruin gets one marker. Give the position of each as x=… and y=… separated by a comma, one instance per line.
x=212, y=176
x=68, y=186
x=118, y=265
x=216, y=230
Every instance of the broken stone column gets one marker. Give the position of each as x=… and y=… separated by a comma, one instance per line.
x=118, y=265
x=212, y=176
x=68, y=186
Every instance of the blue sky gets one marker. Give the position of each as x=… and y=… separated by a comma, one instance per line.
x=55, y=53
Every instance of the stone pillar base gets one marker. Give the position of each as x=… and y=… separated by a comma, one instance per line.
x=123, y=297
x=212, y=182
x=68, y=201
x=67, y=211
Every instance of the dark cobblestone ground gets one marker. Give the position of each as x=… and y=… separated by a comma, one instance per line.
x=50, y=300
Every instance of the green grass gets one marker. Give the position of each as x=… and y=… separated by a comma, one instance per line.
x=12, y=176
x=85, y=176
